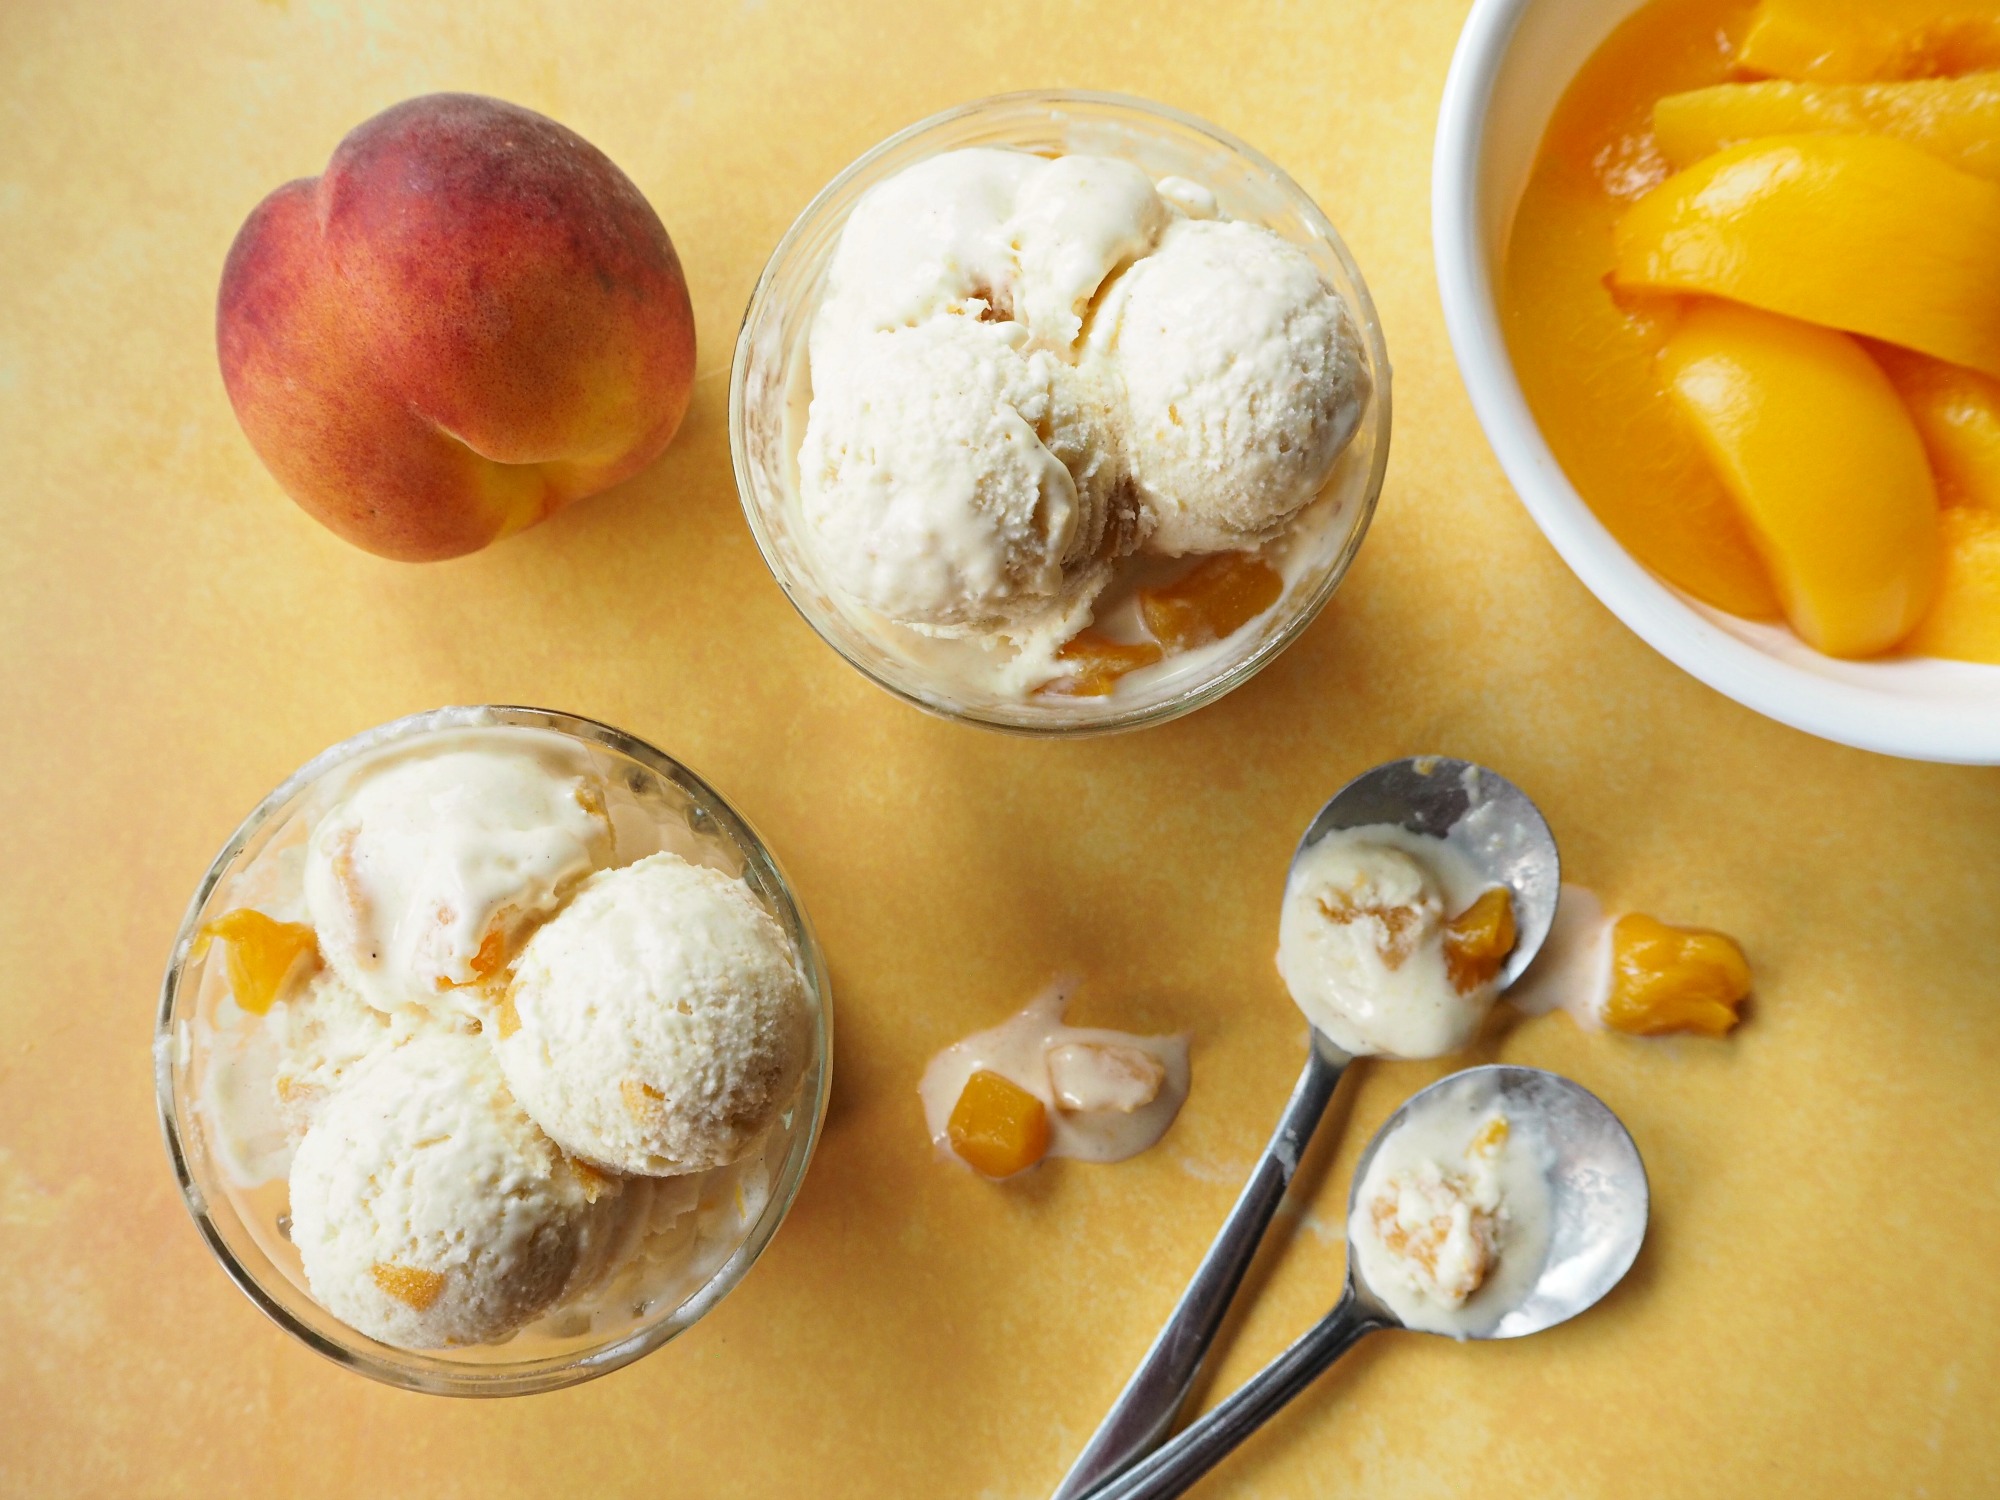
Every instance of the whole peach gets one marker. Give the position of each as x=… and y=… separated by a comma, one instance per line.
x=470, y=319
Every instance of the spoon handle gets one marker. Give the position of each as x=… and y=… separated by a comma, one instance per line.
x=1145, y=1409
x=1204, y=1442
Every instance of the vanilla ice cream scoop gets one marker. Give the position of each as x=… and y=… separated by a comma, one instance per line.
x=660, y=1023
x=428, y=873
x=983, y=234
x=1365, y=945
x=1243, y=381
x=1077, y=220
x=926, y=241
x=933, y=480
x=428, y=1209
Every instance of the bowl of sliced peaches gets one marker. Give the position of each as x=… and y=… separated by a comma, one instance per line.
x=1718, y=274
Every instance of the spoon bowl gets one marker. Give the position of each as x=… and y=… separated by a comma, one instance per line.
x=1598, y=1201
x=1598, y=1194
x=1478, y=812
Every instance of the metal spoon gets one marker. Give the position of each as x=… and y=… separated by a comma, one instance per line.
x=1597, y=1206
x=1509, y=844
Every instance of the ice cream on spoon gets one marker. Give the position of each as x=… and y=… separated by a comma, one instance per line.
x=1566, y=1227
x=1365, y=888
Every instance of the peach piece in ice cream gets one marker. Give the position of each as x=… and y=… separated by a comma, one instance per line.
x=1213, y=600
x=1478, y=940
x=261, y=954
x=469, y=320
x=1093, y=663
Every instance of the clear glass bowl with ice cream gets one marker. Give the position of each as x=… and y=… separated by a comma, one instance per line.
x=492, y=1051
x=1060, y=412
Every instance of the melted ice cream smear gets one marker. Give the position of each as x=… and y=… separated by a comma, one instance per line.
x=1109, y=1094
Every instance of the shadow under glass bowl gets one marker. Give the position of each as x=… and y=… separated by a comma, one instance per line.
x=770, y=391
x=254, y=1253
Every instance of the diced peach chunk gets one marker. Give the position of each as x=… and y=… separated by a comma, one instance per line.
x=1213, y=600
x=1478, y=940
x=1957, y=120
x=1964, y=623
x=1825, y=463
x=1837, y=40
x=1490, y=1138
x=1673, y=979
x=997, y=1127
x=596, y=1184
x=1957, y=412
x=410, y=1285
x=1095, y=662
x=1857, y=232
x=262, y=952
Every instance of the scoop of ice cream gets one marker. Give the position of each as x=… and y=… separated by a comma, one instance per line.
x=933, y=482
x=428, y=1209
x=926, y=241
x=1243, y=382
x=1075, y=222
x=322, y=1033
x=659, y=1023
x=1361, y=946
x=1440, y=1228
x=983, y=234
x=429, y=872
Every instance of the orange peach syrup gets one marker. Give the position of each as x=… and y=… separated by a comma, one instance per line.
x=262, y=952
x=1213, y=600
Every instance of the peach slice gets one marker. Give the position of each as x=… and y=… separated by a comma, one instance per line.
x=1957, y=120
x=1213, y=600
x=1673, y=979
x=262, y=952
x=1825, y=463
x=997, y=1127
x=1856, y=232
x=1851, y=40
x=1478, y=940
x=1095, y=662
x=1964, y=624
x=1957, y=412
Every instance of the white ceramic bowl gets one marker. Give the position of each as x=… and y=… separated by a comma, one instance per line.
x=1515, y=58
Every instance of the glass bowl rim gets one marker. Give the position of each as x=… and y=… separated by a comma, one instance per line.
x=1378, y=415
x=433, y=1376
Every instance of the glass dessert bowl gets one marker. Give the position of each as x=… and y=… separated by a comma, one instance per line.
x=286, y=1063
x=1214, y=612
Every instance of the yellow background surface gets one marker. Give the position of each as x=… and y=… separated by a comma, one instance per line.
x=1817, y=1310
